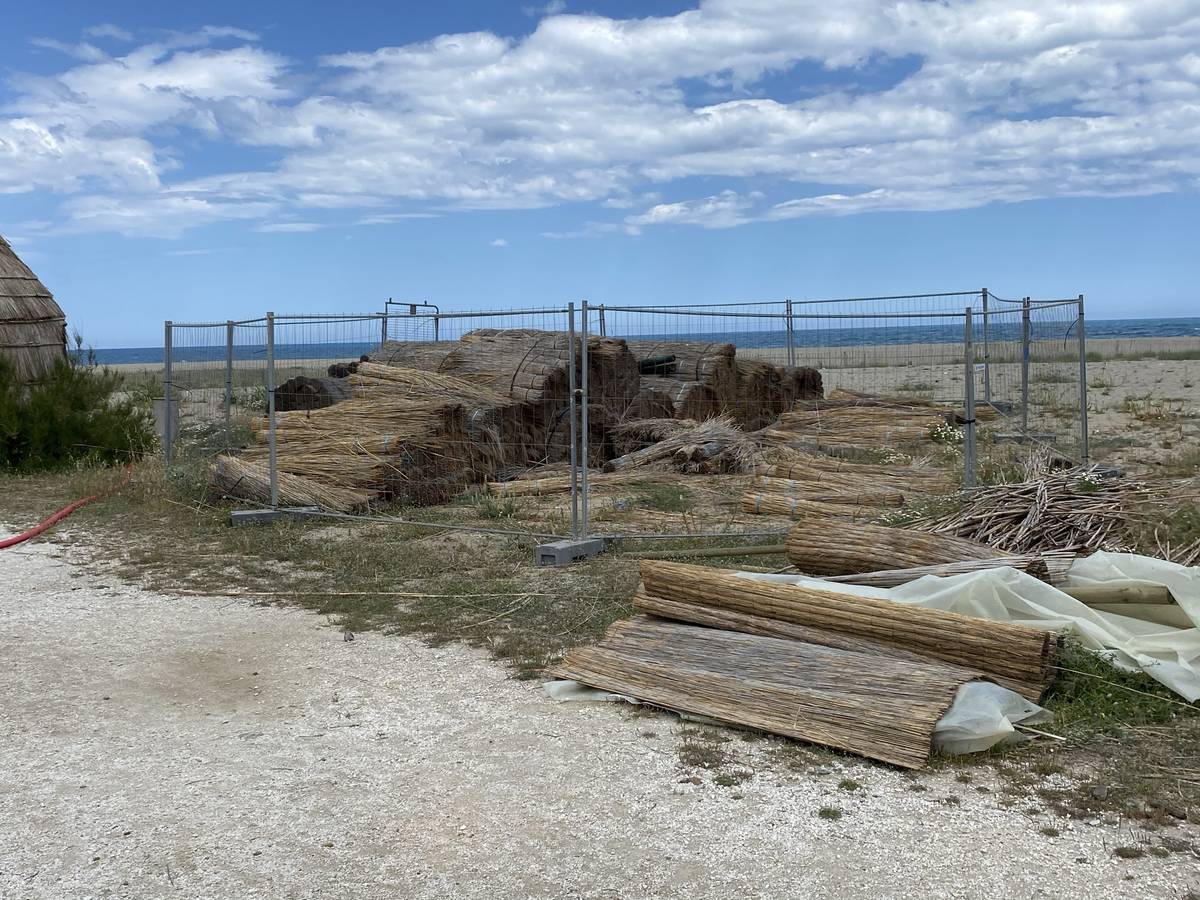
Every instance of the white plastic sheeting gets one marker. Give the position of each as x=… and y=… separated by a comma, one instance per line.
x=1167, y=654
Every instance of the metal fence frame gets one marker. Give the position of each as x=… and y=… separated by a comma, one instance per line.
x=981, y=311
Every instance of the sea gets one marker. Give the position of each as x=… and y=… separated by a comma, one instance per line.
x=1006, y=330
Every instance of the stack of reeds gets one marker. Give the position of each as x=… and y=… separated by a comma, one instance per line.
x=869, y=676
x=415, y=452
x=653, y=402
x=425, y=355
x=237, y=477
x=820, y=547
x=714, y=445
x=816, y=424
x=759, y=397
x=710, y=364
x=1082, y=510
x=535, y=360
x=882, y=707
x=303, y=392
x=831, y=474
x=688, y=399
x=1005, y=652
x=560, y=484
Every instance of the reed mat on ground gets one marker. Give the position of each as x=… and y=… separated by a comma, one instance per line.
x=999, y=648
x=878, y=706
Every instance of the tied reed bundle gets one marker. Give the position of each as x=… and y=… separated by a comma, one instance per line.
x=882, y=707
x=816, y=490
x=238, y=478
x=760, y=502
x=996, y=648
x=821, y=548
x=832, y=474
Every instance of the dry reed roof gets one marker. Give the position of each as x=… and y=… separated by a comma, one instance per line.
x=33, y=329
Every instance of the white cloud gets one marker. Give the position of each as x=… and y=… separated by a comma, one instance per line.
x=1006, y=101
x=108, y=30
x=499, y=242
x=288, y=227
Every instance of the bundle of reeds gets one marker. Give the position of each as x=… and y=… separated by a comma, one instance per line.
x=1050, y=566
x=798, y=383
x=237, y=477
x=758, y=399
x=427, y=356
x=417, y=384
x=651, y=402
x=855, y=425
x=688, y=399
x=878, y=706
x=711, y=364
x=1082, y=510
x=759, y=502
x=827, y=636
x=715, y=444
x=815, y=490
x=534, y=362
x=303, y=392
x=996, y=648
x=823, y=548
x=840, y=475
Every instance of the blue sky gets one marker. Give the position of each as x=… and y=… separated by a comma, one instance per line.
x=221, y=159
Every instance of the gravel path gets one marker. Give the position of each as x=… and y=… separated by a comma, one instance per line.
x=162, y=747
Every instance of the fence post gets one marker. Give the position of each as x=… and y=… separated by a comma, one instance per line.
x=271, y=456
x=987, y=354
x=1025, y=367
x=572, y=410
x=168, y=431
x=583, y=425
x=383, y=319
x=603, y=324
x=1084, y=455
x=228, y=383
x=968, y=402
x=791, y=336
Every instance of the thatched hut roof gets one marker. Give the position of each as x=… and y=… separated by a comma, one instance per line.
x=33, y=329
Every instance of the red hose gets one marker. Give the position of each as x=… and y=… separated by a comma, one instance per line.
x=64, y=512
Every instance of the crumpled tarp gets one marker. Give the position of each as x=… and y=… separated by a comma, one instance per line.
x=1169, y=655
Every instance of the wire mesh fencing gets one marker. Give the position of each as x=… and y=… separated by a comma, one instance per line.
x=540, y=421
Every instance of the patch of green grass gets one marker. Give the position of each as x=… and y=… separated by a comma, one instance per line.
x=831, y=813
x=703, y=748
x=664, y=497
x=1090, y=696
x=1049, y=831
x=1184, y=464
x=489, y=507
x=916, y=387
x=849, y=784
x=733, y=778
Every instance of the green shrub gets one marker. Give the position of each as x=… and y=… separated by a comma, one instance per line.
x=73, y=414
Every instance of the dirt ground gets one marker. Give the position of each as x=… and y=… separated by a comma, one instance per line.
x=165, y=746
